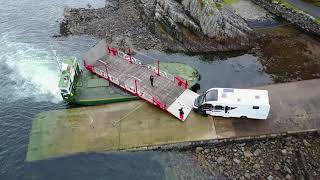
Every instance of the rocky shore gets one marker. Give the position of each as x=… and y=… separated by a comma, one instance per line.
x=292, y=14
x=288, y=55
x=289, y=157
x=189, y=26
x=202, y=26
x=118, y=22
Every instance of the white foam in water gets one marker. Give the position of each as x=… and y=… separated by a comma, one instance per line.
x=33, y=73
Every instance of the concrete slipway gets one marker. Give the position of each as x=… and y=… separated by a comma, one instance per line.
x=136, y=124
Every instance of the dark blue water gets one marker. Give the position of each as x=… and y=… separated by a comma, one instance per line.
x=28, y=85
x=236, y=70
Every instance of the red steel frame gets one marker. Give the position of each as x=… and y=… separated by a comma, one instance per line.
x=154, y=100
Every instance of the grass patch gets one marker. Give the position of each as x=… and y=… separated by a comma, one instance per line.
x=317, y=21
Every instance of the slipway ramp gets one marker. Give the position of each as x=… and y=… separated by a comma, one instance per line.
x=169, y=92
x=137, y=124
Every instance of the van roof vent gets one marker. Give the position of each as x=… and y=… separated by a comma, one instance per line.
x=238, y=99
x=228, y=90
x=257, y=97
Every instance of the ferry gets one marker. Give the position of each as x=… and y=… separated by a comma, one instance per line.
x=80, y=87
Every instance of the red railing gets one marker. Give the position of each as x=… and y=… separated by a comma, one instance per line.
x=182, y=82
x=134, y=87
x=158, y=103
x=128, y=57
x=87, y=66
x=136, y=90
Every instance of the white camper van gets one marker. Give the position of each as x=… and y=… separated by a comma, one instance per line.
x=241, y=103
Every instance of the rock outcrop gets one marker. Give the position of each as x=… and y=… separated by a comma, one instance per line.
x=216, y=19
x=198, y=25
x=293, y=15
x=177, y=25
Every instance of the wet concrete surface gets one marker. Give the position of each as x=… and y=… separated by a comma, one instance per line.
x=111, y=127
x=294, y=107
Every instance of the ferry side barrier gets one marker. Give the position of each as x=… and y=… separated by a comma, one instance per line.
x=134, y=86
x=128, y=57
x=158, y=103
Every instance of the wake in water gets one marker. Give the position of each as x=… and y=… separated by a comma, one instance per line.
x=27, y=72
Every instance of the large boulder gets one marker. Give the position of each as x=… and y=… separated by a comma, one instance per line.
x=216, y=19
x=201, y=25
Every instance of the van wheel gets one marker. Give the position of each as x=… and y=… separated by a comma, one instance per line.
x=243, y=117
x=203, y=113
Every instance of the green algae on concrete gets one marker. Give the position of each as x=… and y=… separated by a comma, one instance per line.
x=111, y=127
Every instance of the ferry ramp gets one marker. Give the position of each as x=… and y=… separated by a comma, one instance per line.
x=137, y=124
x=168, y=92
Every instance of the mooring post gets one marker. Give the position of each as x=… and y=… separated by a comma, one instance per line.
x=106, y=71
x=136, y=86
x=158, y=71
x=84, y=62
x=130, y=60
x=186, y=84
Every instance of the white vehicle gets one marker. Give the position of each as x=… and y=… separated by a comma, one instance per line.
x=240, y=103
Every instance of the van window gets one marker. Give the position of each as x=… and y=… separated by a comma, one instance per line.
x=218, y=107
x=255, y=107
x=212, y=95
x=207, y=107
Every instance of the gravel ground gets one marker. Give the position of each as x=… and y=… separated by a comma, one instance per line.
x=290, y=157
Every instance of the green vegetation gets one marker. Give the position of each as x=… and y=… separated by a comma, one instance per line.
x=230, y=1
x=317, y=21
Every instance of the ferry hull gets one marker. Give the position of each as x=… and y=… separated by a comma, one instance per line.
x=91, y=90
